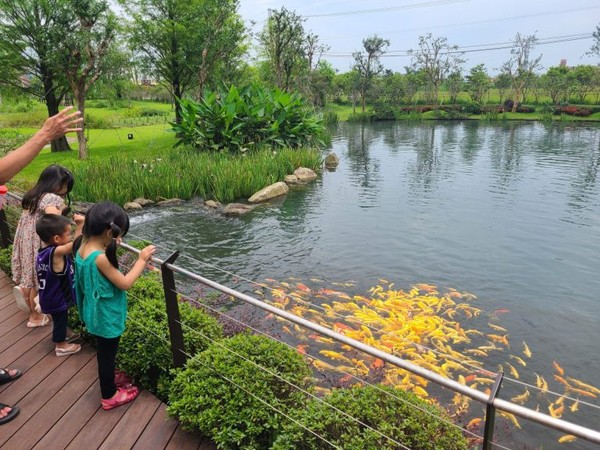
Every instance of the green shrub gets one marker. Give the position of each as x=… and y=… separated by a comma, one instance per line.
x=5, y=261
x=145, y=349
x=472, y=108
x=203, y=398
x=10, y=140
x=240, y=120
x=147, y=287
x=397, y=414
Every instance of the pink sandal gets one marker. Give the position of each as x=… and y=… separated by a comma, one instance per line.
x=121, y=397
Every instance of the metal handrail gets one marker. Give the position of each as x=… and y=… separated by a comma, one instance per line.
x=497, y=403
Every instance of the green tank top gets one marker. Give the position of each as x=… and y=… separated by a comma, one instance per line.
x=102, y=306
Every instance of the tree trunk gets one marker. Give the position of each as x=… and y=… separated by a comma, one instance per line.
x=362, y=99
x=52, y=104
x=80, y=98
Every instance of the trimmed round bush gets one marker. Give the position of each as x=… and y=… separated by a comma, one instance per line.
x=227, y=397
x=145, y=348
x=394, y=413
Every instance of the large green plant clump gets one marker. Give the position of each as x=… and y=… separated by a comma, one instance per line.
x=371, y=418
x=236, y=391
x=249, y=118
x=145, y=349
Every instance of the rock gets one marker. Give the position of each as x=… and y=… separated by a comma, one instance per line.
x=269, y=192
x=305, y=174
x=144, y=201
x=291, y=179
x=132, y=206
x=212, y=204
x=237, y=209
x=170, y=202
x=331, y=161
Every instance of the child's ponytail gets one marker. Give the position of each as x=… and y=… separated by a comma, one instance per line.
x=111, y=249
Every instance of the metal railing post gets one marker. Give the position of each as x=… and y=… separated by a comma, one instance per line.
x=490, y=414
x=173, y=318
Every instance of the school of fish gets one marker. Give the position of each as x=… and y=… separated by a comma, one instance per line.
x=427, y=328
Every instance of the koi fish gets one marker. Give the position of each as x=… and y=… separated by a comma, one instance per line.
x=496, y=327
x=566, y=438
x=334, y=355
x=575, y=406
x=301, y=348
x=582, y=385
x=526, y=350
x=511, y=417
x=304, y=288
x=501, y=311
x=474, y=423
x=519, y=360
x=513, y=371
x=559, y=369
x=520, y=399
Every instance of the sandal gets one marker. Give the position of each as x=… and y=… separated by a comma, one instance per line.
x=14, y=412
x=68, y=350
x=122, y=380
x=45, y=321
x=6, y=377
x=121, y=397
x=20, y=299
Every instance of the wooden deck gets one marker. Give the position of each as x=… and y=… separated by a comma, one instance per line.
x=59, y=398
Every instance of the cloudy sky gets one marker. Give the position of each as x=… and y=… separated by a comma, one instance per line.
x=481, y=27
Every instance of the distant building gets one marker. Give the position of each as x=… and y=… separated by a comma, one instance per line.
x=563, y=62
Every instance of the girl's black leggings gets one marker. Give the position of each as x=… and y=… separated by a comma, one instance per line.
x=107, y=352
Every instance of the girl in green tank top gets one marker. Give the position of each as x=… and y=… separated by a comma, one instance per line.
x=101, y=291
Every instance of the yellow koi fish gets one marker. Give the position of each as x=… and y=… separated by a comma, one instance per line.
x=519, y=360
x=566, y=438
x=520, y=399
x=511, y=417
x=582, y=385
x=526, y=350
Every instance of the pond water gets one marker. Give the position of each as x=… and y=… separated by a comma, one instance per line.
x=509, y=212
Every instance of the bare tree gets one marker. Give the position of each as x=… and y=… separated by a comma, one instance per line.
x=367, y=64
x=437, y=59
x=521, y=66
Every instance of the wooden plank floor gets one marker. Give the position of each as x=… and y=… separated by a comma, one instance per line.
x=59, y=398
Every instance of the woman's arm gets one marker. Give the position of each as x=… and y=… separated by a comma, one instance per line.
x=54, y=127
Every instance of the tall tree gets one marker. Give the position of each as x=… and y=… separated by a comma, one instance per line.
x=521, y=66
x=183, y=43
x=437, y=59
x=595, y=49
x=583, y=77
x=557, y=83
x=454, y=83
x=367, y=63
x=283, y=43
x=478, y=83
x=30, y=35
x=85, y=48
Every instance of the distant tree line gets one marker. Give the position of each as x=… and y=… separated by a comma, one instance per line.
x=55, y=50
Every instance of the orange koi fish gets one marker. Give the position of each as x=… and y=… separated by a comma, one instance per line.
x=559, y=369
x=474, y=423
x=303, y=288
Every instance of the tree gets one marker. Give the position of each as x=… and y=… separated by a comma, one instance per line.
x=557, y=84
x=367, y=64
x=437, y=59
x=521, y=66
x=595, y=49
x=454, y=84
x=583, y=78
x=282, y=41
x=91, y=33
x=30, y=35
x=478, y=83
x=503, y=83
x=183, y=43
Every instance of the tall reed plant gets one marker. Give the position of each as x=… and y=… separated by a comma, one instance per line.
x=186, y=174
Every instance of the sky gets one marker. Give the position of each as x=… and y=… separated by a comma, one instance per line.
x=481, y=27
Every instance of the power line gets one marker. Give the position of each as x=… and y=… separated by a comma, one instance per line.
x=390, y=8
x=474, y=48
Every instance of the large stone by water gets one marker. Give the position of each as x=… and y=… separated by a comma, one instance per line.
x=237, y=209
x=269, y=192
x=331, y=161
x=304, y=174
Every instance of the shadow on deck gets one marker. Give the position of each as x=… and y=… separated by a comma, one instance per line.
x=59, y=398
